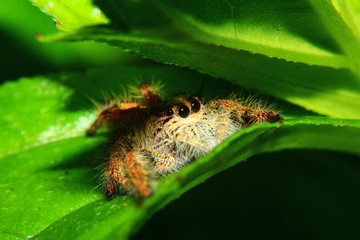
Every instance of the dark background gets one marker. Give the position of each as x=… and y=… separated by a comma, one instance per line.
x=302, y=194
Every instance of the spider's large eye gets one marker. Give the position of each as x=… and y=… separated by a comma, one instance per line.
x=184, y=111
x=195, y=105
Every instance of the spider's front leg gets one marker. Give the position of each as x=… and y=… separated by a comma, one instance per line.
x=136, y=170
x=114, y=113
x=143, y=165
x=117, y=112
x=129, y=172
x=139, y=174
x=126, y=168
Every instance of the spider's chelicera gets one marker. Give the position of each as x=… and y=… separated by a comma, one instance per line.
x=159, y=137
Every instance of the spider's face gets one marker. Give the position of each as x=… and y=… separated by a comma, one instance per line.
x=176, y=115
x=183, y=108
x=179, y=110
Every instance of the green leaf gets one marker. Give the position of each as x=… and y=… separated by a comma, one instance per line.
x=350, y=12
x=48, y=166
x=71, y=15
x=123, y=217
x=292, y=32
x=276, y=29
x=340, y=25
x=315, y=88
x=324, y=90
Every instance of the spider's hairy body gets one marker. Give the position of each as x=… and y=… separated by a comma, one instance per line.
x=156, y=137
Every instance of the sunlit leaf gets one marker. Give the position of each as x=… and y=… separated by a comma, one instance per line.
x=71, y=15
x=276, y=29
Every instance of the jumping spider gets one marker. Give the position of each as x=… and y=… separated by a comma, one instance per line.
x=157, y=137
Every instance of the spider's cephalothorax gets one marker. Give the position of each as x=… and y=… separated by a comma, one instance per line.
x=157, y=137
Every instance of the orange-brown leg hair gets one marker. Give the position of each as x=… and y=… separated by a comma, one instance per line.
x=113, y=112
x=125, y=110
x=114, y=169
x=137, y=174
x=251, y=116
x=150, y=97
x=115, y=174
x=245, y=115
x=128, y=172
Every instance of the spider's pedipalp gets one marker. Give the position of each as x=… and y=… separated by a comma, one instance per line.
x=137, y=175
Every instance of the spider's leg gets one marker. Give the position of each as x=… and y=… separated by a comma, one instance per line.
x=114, y=172
x=139, y=171
x=220, y=132
x=138, y=175
x=110, y=189
x=149, y=95
x=114, y=112
x=243, y=115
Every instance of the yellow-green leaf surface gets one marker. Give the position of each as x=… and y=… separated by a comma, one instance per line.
x=71, y=15
x=350, y=11
x=339, y=23
x=48, y=167
x=289, y=30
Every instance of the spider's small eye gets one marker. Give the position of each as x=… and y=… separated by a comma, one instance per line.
x=195, y=105
x=184, y=111
x=169, y=112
